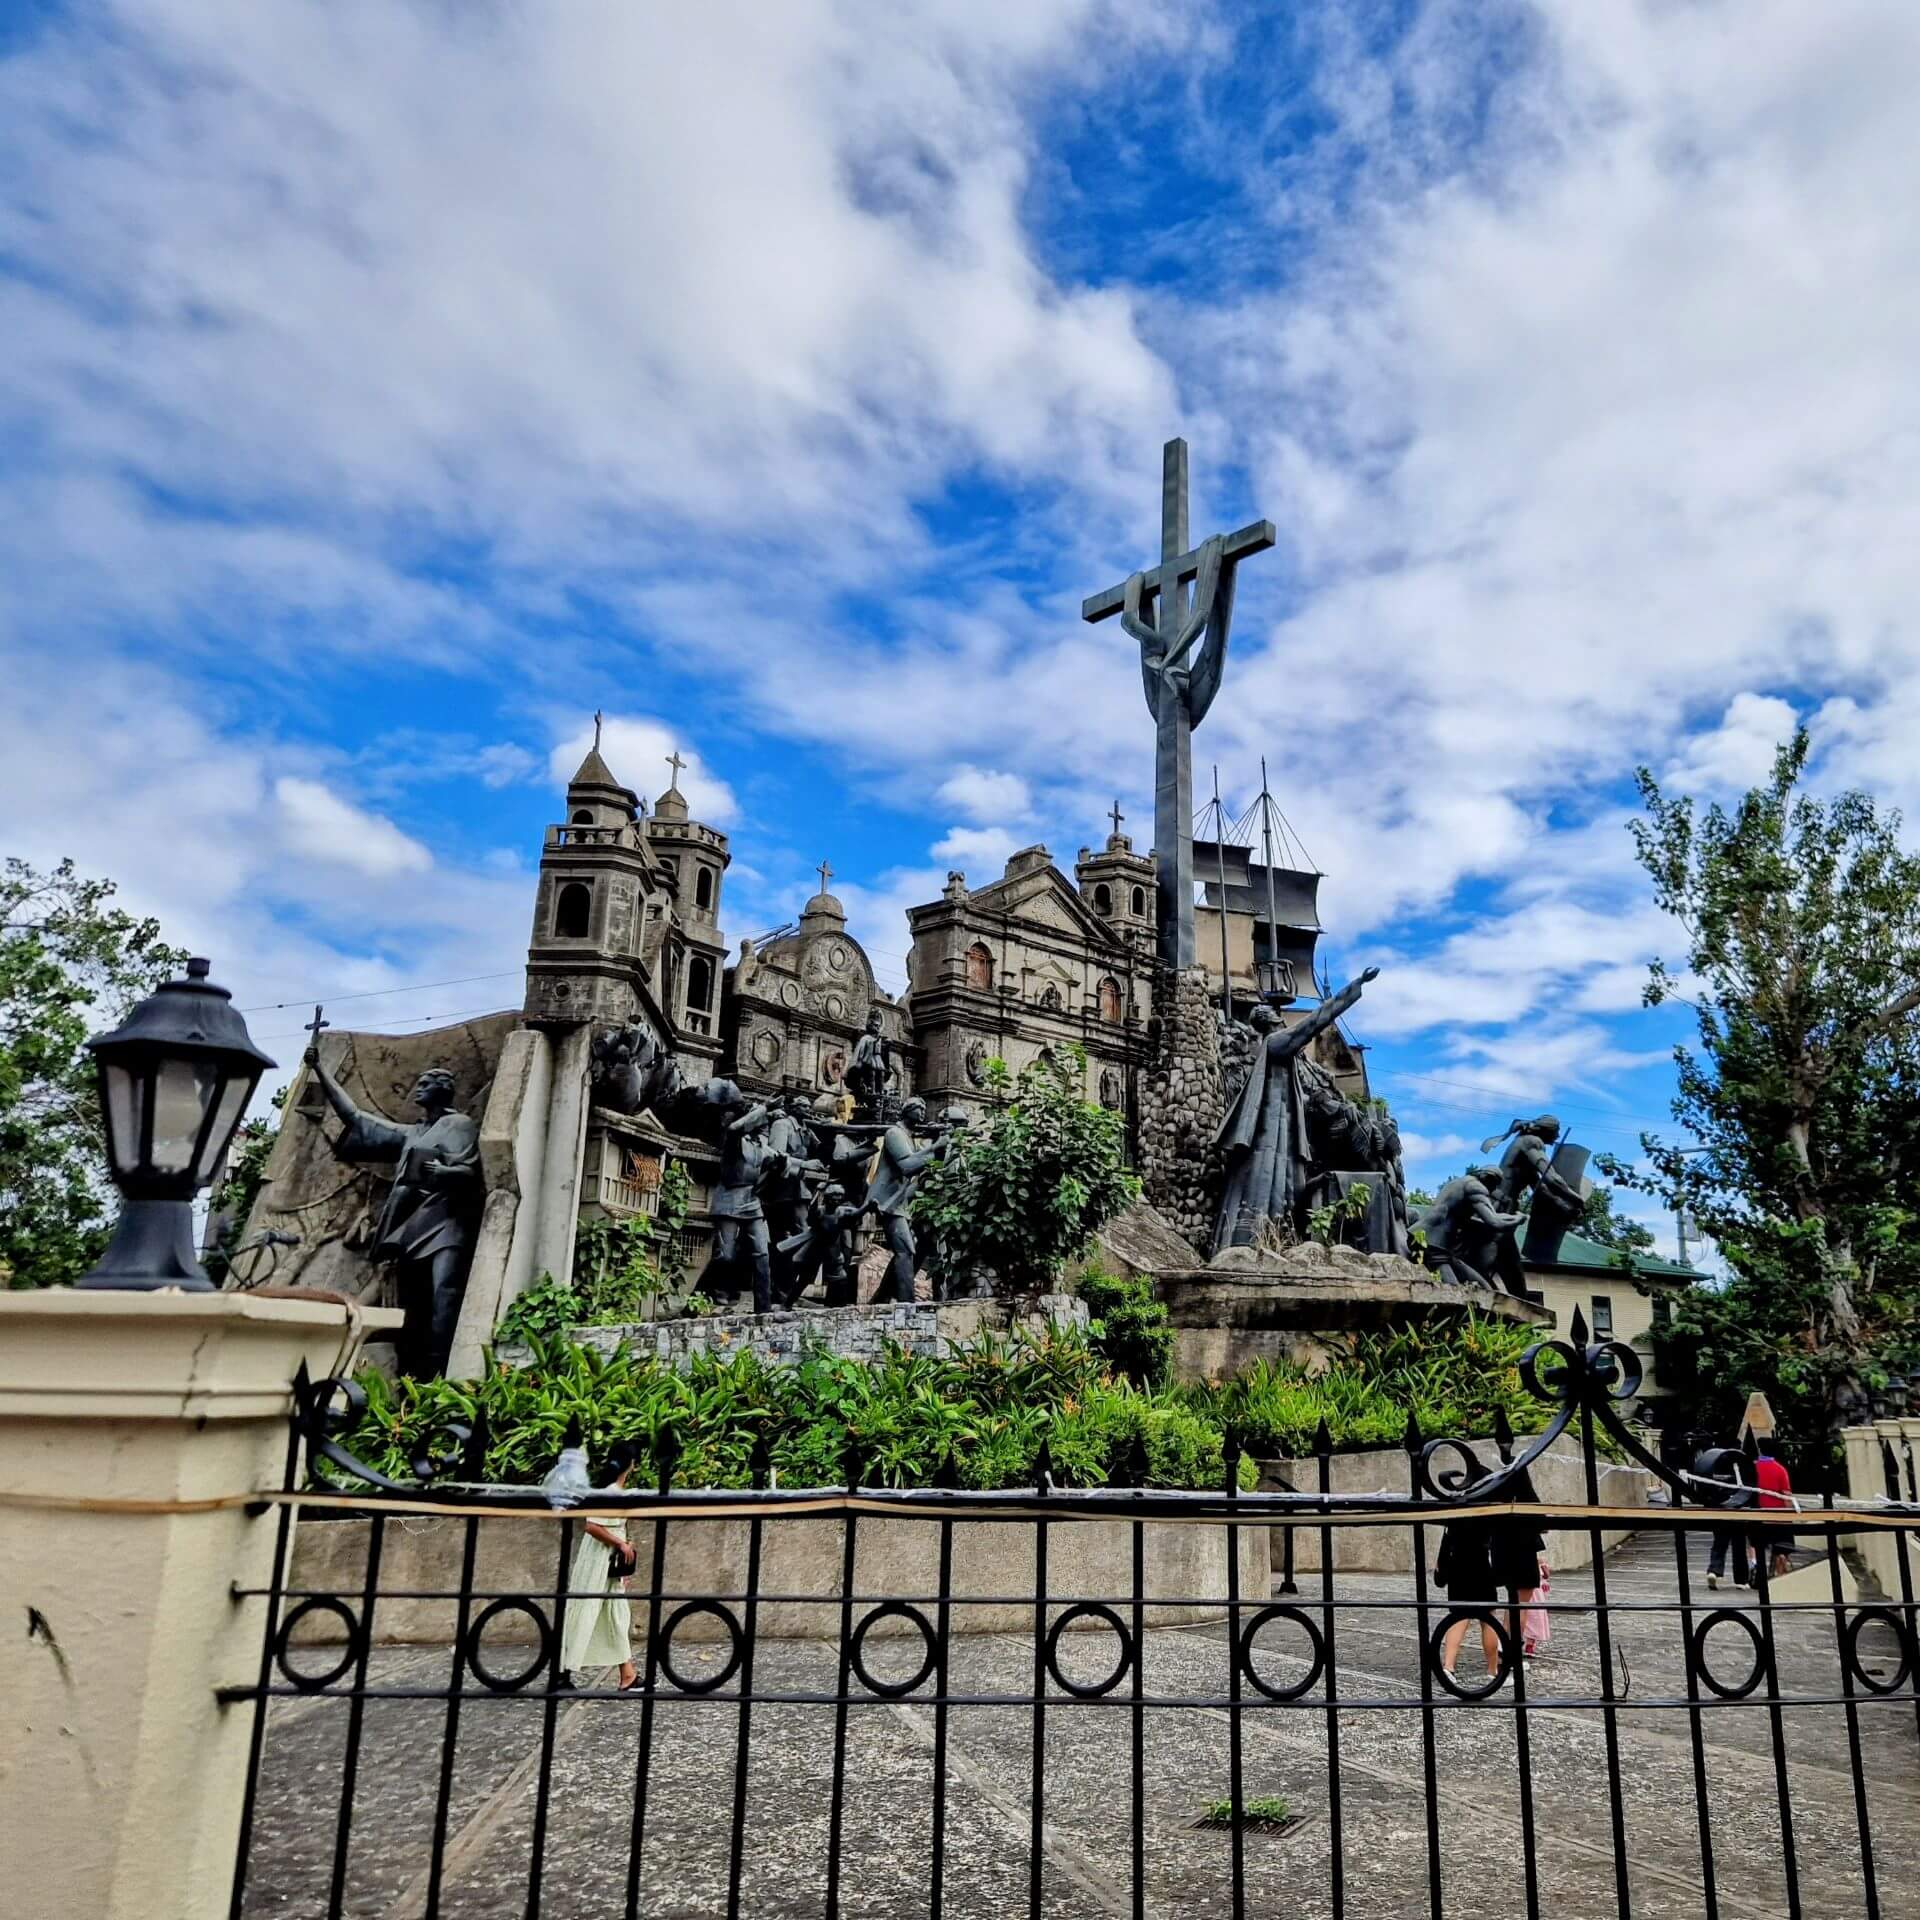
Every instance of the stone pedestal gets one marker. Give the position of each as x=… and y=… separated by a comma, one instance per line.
x=1247, y=1305
x=134, y=1427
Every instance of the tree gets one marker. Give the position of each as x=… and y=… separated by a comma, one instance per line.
x=1605, y=1228
x=70, y=966
x=1802, y=919
x=1022, y=1197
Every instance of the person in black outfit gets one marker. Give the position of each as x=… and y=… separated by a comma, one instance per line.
x=1477, y=1559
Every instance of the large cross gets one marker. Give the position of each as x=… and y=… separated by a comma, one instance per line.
x=826, y=873
x=1180, y=682
x=676, y=763
x=1116, y=816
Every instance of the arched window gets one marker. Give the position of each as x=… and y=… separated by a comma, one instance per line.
x=1140, y=902
x=573, y=911
x=699, y=984
x=1103, y=900
x=583, y=817
x=703, y=888
x=980, y=966
x=1111, y=1003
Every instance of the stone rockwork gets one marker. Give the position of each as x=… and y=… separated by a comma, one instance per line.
x=1181, y=1104
x=855, y=1333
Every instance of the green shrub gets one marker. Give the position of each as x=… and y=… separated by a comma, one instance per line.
x=1132, y=1332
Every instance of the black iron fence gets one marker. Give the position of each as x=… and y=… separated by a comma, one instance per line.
x=939, y=1701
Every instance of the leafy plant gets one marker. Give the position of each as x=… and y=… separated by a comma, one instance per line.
x=1329, y=1224
x=1270, y=1812
x=1023, y=1196
x=1131, y=1331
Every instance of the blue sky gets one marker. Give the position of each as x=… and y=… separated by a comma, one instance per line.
x=386, y=387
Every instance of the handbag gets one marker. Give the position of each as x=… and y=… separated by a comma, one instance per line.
x=1536, y=1623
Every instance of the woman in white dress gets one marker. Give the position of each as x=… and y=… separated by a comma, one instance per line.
x=599, y=1630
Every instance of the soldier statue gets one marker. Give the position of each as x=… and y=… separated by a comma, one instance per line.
x=431, y=1217
x=902, y=1157
x=747, y=1164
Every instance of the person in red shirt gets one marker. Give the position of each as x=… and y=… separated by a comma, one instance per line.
x=1773, y=1480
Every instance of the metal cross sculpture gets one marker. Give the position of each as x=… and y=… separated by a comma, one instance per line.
x=1154, y=611
x=676, y=763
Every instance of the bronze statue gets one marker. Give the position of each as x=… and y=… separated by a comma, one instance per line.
x=1351, y=1144
x=1468, y=1238
x=871, y=1070
x=819, y=1249
x=632, y=1070
x=427, y=1227
x=1552, y=1171
x=1263, y=1141
x=784, y=1193
x=747, y=1163
x=901, y=1158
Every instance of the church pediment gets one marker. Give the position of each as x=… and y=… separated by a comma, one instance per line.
x=1046, y=899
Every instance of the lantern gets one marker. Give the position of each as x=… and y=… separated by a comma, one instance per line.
x=175, y=1079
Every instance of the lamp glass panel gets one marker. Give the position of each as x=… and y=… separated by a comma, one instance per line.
x=126, y=1097
x=182, y=1092
x=234, y=1095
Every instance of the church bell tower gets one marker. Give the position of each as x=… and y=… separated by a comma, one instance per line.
x=589, y=914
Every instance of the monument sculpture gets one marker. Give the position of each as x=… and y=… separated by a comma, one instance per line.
x=1539, y=1163
x=431, y=1215
x=632, y=1070
x=1264, y=1142
x=871, y=1071
x=1357, y=1146
x=901, y=1158
x=784, y=1194
x=1153, y=610
x=747, y=1163
x=820, y=1250
x=1468, y=1238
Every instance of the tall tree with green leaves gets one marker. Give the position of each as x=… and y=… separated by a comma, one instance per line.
x=1802, y=967
x=71, y=965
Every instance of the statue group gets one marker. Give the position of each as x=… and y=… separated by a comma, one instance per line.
x=799, y=1176
x=1293, y=1144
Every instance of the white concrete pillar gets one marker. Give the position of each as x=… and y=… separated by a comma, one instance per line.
x=134, y=1428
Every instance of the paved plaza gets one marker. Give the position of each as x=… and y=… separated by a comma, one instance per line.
x=887, y=1826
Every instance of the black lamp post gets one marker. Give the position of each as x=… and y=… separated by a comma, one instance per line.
x=174, y=1080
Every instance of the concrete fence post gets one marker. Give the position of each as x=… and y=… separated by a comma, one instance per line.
x=134, y=1427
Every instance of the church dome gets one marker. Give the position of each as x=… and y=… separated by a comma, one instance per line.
x=823, y=906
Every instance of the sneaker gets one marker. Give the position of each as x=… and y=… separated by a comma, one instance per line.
x=1713, y=1580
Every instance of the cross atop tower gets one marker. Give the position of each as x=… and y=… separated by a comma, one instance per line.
x=598, y=717
x=826, y=873
x=676, y=763
x=1116, y=816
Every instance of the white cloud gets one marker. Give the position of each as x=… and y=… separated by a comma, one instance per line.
x=986, y=795
x=319, y=825
x=981, y=851
x=636, y=749
x=1740, y=751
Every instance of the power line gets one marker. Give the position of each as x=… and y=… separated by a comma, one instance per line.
x=323, y=997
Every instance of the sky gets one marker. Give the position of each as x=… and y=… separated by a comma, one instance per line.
x=386, y=387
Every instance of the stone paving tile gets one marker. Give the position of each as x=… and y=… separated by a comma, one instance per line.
x=887, y=1829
